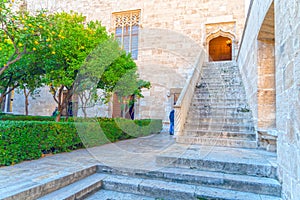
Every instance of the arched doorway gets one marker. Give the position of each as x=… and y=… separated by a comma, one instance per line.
x=220, y=49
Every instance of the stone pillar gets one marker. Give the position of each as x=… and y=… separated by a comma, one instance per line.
x=266, y=93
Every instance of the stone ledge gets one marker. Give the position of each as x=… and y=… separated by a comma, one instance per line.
x=267, y=140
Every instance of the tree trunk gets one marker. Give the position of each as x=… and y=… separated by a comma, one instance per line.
x=84, y=112
x=26, y=105
x=58, y=116
x=60, y=104
x=26, y=101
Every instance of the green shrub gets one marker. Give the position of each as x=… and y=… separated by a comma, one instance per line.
x=27, y=140
x=9, y=117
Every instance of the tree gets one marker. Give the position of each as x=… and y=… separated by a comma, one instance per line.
x=76, y=39
x=21, y=33
x=113, y=71
x=27, y=78
x=32, y=76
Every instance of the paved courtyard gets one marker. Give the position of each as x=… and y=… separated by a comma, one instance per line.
x=136, y=153
x=140, y=153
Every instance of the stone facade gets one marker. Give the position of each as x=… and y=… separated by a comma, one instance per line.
x=269, y=60
x=288, y=95
x=171, y=36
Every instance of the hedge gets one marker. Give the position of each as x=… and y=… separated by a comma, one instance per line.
x=27, y=140
x=9, y=117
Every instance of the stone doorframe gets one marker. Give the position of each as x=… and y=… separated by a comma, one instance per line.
x=222, y=33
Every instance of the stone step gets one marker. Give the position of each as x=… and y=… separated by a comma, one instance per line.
x=214, y=100
x=194, y=106
x=221, y=142
x=223, y=70
x=220, y=89
x=250, y=162
x=174, y=191
x=113, y=195
x=258, y=185
x=220, y=127
x=193, y=115
x=203, y=84
x=220, y=74
x=222, y=81
x=48, y=185
x=219, y=112
x=218, y=104
x=216, y=71
x=220, y=93
x=236, y=95
x=221, y=119
x=77, y=190
x=201, y=88
x=230, y=64
x=219, y=134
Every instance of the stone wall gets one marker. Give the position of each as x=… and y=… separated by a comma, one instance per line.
x=42, y=103
x=172, y=34
x=253, y=56
x=287, y=20
x=248, y=54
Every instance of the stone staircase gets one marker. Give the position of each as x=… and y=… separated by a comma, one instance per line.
x=182, y=173
x=219, y=114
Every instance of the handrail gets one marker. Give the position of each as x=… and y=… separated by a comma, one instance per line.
x=185, y=98
x=246, y=24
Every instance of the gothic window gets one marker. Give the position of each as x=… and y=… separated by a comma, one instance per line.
x=126, y=26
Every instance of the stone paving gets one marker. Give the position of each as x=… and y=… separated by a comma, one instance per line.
x=136, y=153
x=140, y=153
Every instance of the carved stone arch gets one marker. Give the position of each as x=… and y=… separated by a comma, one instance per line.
x=227, y=36
x=219, y=33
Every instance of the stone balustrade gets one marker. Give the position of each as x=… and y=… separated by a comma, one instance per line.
x=186, y=95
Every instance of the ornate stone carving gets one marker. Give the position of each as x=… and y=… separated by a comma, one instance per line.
x=128, y=18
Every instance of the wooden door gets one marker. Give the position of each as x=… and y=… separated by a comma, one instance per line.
x=220, y=49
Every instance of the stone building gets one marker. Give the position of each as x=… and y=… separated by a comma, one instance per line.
x=168, y=39
x=165, y=41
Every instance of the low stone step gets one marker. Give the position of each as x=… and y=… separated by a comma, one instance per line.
x=228, y=142
x=203, y=85
x=219, y=126
x=77, y=190
x=220, y=119
x=225, y=115
x=223, y=82
x=250, y=162
x=258, y=185
x=220, y=76
x=221, y=107
x=174, y=191
x=218, y=72
x=220, y=82
x=220, y=95
x=220, y=104
x=220, y=89
x=221, y=64
x=113, y=195
x=222, y=99
x=218, y=112
x=48, y=185
x=219, y=134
